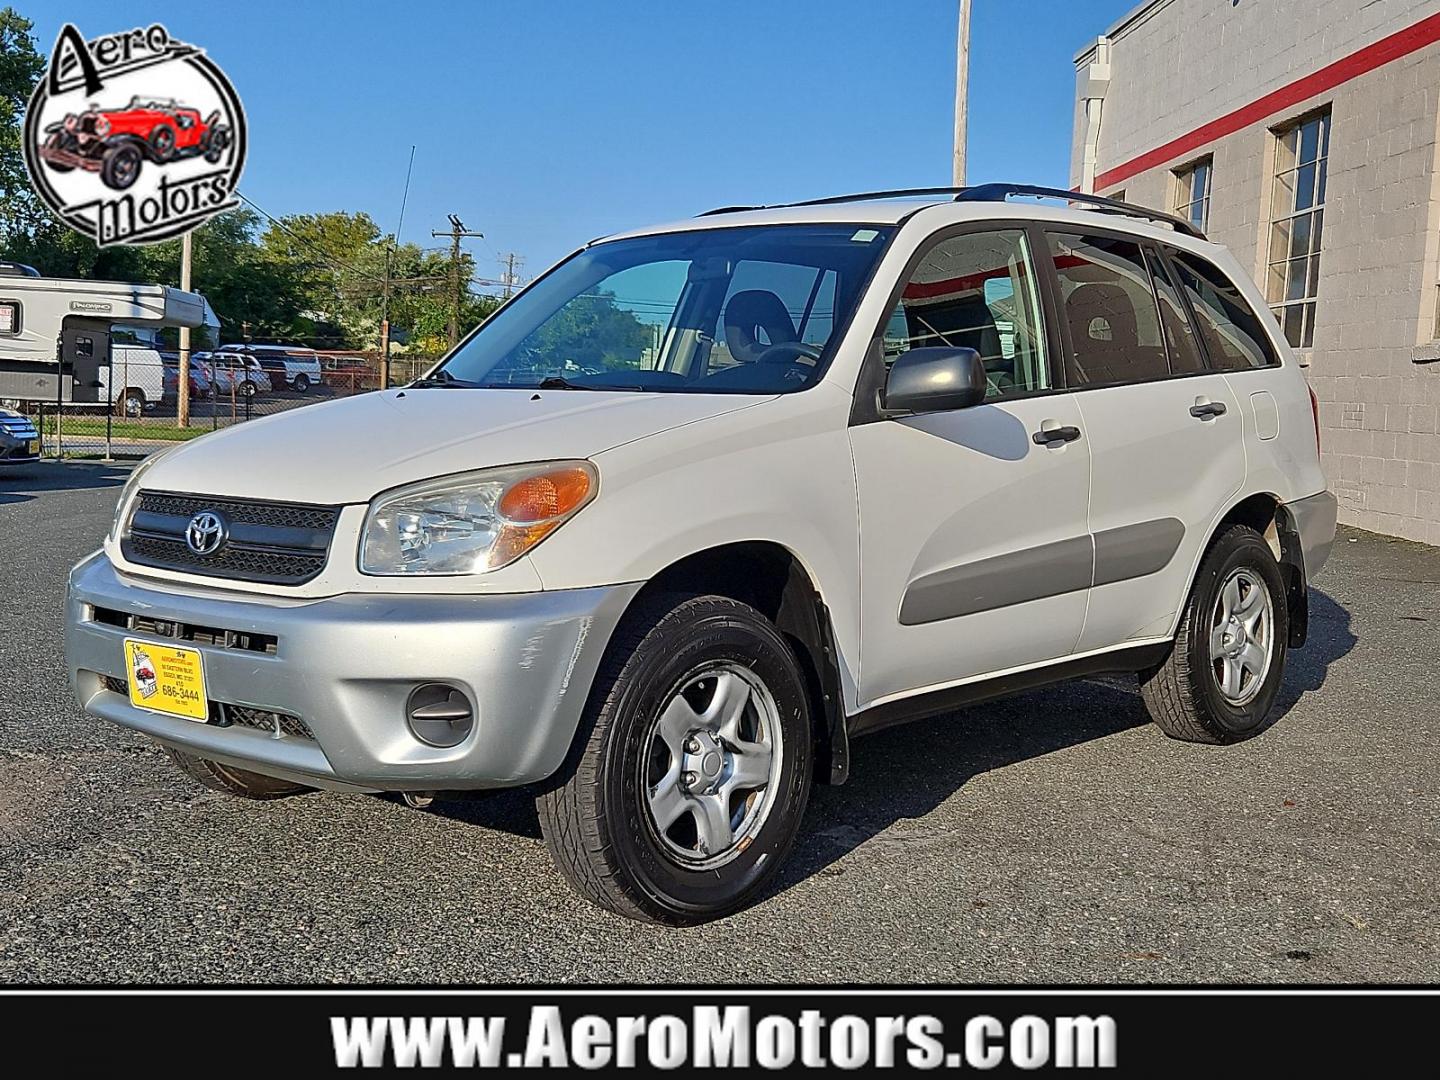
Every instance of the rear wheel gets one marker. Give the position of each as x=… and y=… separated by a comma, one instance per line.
x=685, y=789
x=302, y=383
x=232, y=781
x=1220, y=680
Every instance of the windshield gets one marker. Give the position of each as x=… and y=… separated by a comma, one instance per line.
x=740, y=310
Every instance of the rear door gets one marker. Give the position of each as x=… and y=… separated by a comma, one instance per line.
x=1167, y=456
x=974, y=556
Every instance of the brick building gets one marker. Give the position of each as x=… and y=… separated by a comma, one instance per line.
x=1302, y=134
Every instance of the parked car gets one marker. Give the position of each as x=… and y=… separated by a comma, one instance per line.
x=669, y=579
x=200, y=387
x=19, y=440
x=291, y=367
x=237, y=373
x=116, y=142
x=136, y=379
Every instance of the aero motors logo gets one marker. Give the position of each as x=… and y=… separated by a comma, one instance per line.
x=135, y=137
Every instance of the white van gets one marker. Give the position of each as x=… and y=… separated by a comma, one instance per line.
x=135, y=380
x=708, y=501
x=291, y=367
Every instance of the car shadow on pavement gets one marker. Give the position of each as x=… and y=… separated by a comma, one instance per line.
x=20, y=483
x=906, y=772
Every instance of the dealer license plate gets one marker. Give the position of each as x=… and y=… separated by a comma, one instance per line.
x=34, y=447
x=166, y=679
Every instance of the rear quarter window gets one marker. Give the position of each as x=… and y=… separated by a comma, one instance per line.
x=1232, y=333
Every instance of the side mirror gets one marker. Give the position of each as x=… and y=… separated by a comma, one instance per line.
x=932, y=379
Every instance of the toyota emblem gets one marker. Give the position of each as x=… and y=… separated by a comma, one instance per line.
x=205, y=533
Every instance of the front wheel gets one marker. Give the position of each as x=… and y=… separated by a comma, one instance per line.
x=247, y=389
x=302, y=383
x=120, y=166
x=1220, y=680
x=686, y=786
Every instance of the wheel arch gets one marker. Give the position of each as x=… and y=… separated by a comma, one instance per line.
x=1265, y=512
x=775, y=581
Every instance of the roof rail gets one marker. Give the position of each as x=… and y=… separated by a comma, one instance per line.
x=1000, y=192
x=991, y=193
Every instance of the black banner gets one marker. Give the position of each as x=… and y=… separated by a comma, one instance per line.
x=668, y=1030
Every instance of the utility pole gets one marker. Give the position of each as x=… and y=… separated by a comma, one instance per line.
x=457, y=233
x=182, y=377
x=511, y=279
x=962, y=93
x=385, y=324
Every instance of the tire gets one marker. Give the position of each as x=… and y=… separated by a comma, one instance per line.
x=247, y=389
x=130, y=403
x=233, y=781
x=1186, y=694
x=120, y=166
x=162, y=142
x=599, y=821
x=301, y=383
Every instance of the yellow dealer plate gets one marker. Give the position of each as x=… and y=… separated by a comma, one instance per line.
x=166, y=679
x=34, y=446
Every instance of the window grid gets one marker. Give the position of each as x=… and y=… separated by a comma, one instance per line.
x=1297, y=227
x=1192, y=194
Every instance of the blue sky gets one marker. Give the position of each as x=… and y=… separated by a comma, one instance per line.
x=546, y=123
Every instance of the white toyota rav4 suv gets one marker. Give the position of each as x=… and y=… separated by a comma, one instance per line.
x=707, y=501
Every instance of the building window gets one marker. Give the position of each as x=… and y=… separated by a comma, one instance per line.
x=1297, y=214
x=1192, y=193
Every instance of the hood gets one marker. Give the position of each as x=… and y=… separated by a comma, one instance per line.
x=349, y=450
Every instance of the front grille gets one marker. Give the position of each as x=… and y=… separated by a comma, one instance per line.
x=223, y=714
x=269, y=542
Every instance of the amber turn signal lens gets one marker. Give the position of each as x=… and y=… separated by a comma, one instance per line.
x=545, y=497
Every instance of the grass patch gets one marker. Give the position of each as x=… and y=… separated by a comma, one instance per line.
x=122, y=429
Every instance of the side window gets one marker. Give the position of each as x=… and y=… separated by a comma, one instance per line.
x=1233, y=335
x=9, y=316
x=770, y=303
x=1184, y=350
x=977, y=291
x=1109, y=304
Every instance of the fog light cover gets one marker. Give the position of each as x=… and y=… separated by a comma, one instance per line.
x=439, y=715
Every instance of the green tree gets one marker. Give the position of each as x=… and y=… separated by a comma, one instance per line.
x=21, y=66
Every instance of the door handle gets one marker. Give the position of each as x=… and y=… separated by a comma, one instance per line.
x=1207, y=410
x=1050, y=436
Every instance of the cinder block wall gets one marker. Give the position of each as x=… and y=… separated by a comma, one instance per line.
x=1183, y=63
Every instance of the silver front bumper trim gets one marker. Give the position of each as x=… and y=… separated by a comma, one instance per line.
x=346, y=665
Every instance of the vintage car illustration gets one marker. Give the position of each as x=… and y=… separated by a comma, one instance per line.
x=115, y=142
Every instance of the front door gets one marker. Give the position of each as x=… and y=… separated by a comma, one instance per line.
x=974, y=554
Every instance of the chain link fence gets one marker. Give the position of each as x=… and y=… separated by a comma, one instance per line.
x=143, y=411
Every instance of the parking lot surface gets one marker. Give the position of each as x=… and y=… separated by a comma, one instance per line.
x=1056, y=836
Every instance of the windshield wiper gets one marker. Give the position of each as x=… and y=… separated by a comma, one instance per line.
x=441, y=380
x=559, y=382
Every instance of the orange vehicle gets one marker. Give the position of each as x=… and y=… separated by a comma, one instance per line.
x=116, y=142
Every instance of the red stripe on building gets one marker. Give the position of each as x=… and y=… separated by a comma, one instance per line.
x=1362, y=61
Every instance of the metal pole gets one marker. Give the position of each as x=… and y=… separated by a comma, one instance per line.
x=962, y=94
x=385, y=323
x=182, y=377
x=109, y=386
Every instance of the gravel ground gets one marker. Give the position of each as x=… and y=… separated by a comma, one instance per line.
x=1055, y=836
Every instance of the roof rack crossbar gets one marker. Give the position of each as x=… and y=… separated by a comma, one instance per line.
x=991, y=193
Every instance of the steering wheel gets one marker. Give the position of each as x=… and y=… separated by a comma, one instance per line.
x=784, y=352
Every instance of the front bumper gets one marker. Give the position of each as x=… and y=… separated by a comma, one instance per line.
x=70, y=159
x=345, y=666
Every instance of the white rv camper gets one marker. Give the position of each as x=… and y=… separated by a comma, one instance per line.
x=55, y=338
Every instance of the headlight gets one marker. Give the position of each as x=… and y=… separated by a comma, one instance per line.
x=129, y=491
x=472, y=522
x=102, y=126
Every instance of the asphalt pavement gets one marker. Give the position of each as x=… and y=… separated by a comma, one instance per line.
x=1055, y=836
